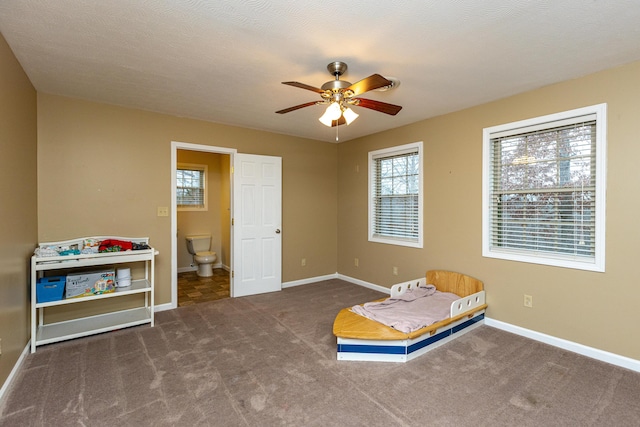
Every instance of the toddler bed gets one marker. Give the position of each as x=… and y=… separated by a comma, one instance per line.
x=360, y=338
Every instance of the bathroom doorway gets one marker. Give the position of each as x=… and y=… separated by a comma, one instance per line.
x=212, y=217
x=193, y=289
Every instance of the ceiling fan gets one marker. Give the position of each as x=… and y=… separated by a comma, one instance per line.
x=340, y=95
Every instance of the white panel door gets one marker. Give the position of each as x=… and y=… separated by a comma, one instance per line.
x=257, y=237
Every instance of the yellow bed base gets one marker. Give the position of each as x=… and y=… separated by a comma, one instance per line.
x=360, y=338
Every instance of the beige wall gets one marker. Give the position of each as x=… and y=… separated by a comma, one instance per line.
x=595, y=309
x=104, y=170
x=18, y=209
x=216, y=217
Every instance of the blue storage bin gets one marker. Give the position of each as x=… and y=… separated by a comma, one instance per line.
x=50, y=288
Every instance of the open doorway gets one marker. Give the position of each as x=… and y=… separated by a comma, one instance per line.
x=208, y=218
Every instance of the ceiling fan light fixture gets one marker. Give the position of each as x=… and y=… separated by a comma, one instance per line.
x=324, y=120
x=339, y=95
x=333, y=112
x=349, y=115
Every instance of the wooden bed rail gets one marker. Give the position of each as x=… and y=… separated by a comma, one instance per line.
x=457, y=283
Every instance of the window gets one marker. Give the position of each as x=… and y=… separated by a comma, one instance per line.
x=544, y=190
x=190, y=187
x=395, y=195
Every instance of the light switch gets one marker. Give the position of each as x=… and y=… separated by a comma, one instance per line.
x=163, y=211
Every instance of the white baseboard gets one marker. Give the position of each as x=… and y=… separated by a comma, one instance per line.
x=12, y=374
x=189, y=268
x=163, y=307
x=309, y=280
x=594, y=353
x=365, y=284
x=336, y=276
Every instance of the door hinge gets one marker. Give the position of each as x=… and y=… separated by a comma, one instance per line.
x=232, y=274
x=232, y=221
x=232, y=169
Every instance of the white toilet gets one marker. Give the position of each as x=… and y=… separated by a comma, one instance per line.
x=198, y=246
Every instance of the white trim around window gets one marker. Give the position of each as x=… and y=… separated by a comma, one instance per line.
x=396, y=195
x=191, y=187
x=544, y=189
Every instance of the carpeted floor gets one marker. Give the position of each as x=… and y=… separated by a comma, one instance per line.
x=269, y=360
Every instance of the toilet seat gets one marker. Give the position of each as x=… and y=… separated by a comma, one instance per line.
x=205, y=257
x=205, y=253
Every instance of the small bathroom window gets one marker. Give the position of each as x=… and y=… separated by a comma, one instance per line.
x=191, y=192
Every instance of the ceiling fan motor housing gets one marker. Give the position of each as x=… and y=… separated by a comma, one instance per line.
x=335, y=85
x=337, y=68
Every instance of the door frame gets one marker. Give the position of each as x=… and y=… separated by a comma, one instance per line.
x=175, y=146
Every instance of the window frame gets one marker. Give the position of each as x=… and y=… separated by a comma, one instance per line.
x=595, y=263
x=193, y=167
x=372, y=178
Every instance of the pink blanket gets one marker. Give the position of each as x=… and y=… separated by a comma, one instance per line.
x=410, y=311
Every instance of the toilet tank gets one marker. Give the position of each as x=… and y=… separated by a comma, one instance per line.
x=198, y=243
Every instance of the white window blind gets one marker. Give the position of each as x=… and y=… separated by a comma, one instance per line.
x=543, y=192
x=190, y=186
x=395, y=204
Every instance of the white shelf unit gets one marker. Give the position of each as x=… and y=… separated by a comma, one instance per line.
x=42, y=333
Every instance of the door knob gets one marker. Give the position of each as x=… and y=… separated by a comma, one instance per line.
x=277, y=231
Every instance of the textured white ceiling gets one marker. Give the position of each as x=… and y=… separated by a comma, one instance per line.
x=223, y=60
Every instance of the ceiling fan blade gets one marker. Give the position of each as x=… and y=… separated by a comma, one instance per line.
x=340, y=121
x=383, y=107
x=303, y=86
x=297, y=107
x=374, y=81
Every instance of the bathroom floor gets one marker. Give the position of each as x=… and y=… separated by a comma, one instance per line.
x=193, y=289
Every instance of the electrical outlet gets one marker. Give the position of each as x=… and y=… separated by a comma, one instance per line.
x=528, y=301
x=303, y=262
x=356, y=262
x=163, y=211
x=395, y=271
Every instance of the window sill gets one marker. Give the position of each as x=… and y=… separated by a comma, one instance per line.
x=398, y=241
x=544, y=259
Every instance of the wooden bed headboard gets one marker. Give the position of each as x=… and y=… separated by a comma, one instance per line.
x=457, y=283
